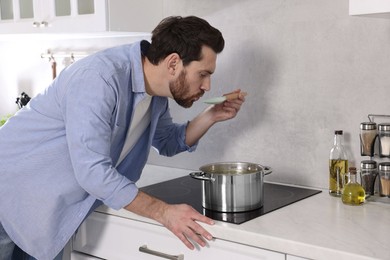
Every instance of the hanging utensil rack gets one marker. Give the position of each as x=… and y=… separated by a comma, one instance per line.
x=61, y=55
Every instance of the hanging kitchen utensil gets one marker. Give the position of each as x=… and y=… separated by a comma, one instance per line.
x=22, y=100
x=53, y=67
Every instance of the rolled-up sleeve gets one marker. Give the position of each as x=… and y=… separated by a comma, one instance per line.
x=88, y=106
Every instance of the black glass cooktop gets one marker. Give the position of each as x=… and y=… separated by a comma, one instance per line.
x=189, y=191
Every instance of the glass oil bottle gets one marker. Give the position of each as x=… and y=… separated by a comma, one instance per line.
x=338, y=165
x=353, y=193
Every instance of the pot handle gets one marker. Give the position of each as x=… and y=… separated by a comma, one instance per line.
x=267, y=170
x=201, y=176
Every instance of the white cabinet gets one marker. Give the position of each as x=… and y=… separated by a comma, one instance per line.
x=111, y=237
x=293, y=257
x=80, y=256
x=79, y=16
x=43, y=16
x=373, y=8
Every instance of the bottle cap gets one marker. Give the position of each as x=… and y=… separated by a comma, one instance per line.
x=352, y=170
x=368, y=126
x=384, y=166
x=338, y=132
x=384, y=127
x=368, y=164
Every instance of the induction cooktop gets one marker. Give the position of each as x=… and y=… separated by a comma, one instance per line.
x=189, y=191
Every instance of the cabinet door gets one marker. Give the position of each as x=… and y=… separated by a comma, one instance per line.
x=111, y=237
x=79, y=256
x=292, y=257
x=18, y=16
x=48, y=16
x=76, y=16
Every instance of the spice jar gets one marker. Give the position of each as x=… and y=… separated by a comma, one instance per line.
x=384, y=139
x=367, y=138
x=384, y=179
x=368, y=173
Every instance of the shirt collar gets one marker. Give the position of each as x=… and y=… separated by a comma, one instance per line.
x=137, y=73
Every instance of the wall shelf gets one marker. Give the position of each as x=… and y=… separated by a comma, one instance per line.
x=370, y=8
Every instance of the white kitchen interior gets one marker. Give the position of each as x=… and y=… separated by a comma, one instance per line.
x=309, y=66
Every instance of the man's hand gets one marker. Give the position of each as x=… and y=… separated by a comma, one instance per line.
x=213, y=114
x=228, y=109
x=180, y=219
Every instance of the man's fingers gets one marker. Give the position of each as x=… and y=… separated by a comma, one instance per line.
x=185, y=240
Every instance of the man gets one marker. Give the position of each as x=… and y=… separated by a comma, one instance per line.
x=85, y=140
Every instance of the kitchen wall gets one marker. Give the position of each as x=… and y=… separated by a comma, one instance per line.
x=308, y=66
x=23, y=68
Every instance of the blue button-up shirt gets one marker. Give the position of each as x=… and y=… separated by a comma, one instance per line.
x=57, y=154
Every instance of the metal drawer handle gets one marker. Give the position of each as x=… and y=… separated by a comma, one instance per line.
x=146, y=250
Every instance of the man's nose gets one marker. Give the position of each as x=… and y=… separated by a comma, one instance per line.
x=206, y=85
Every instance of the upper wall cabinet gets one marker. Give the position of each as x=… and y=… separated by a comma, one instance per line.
x=372, y=8
x=79, y=16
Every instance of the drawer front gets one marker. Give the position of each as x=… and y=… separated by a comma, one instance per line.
x=81, y=256
x=111, y=237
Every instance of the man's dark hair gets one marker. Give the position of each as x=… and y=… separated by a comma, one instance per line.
x=184, y=36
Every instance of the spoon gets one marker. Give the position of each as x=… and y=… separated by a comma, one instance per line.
x=219, y=100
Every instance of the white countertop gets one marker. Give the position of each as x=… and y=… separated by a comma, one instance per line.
x=319, y=227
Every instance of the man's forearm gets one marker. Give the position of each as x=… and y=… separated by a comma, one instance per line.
x=198, y=127
x=147, y=206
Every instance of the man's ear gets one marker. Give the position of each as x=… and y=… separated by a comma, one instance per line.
x=173, y=63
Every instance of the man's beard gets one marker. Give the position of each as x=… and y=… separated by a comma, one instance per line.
x=180, y=90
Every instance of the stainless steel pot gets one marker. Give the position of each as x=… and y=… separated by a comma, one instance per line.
x=232, y=186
